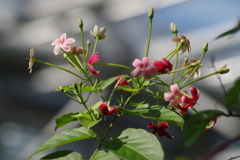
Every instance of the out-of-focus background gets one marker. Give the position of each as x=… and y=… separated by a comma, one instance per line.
x=28, y=103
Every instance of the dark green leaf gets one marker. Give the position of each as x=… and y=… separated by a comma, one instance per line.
x=197, y=125
x=150, y=92
x=65, y=119
x=156, y=112
x=63, y=155
x=102, y=155
x=89, y=121
x=233, y=93
x=66, y=136
x=128, y=89
x=135, y=144
x=183, y=158
x=105, y=83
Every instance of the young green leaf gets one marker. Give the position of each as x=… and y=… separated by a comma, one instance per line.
x=66, y=136
x=156, y=112
x=197, y=125
x=140, y=82
x=88, y=121
x=135, y=144
x=105, y=83
x=63, y=155
x=233, y=93
x=65, y=119
x=102, y=155
x=128, y=89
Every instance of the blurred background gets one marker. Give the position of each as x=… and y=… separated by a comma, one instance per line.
x=28, y=103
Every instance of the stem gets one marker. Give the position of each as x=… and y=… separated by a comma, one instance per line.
x=175, y=67
x=199, y=79
x=149, y=35
x=83, y=45
x=96, y=43
x=195, y=110
x=52, y=65
x=112, y=64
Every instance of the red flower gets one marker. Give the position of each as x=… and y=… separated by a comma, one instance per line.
x=107, y=110
x=195, y=96
x=162, y=66
x=123, y=81
x=160, y=129
x=93, y=59
x=211, y=124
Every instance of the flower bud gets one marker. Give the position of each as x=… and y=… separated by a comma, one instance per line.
x=151, y=12
x=205, y=47
x=224, y=69
x=173, y=28
x=80, y=22
x=88, y=42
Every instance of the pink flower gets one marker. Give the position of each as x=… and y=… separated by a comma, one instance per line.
x=160, y=129
x=143, y=68
x=63, y=43
x=185, y=47
x=107, y=110
x=176, y=97
x=195, y=96
x=162, y=66
x=93, y=59
x=123, y=81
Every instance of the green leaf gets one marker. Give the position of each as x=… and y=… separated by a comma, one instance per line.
x=88, y=121
x=136, y=104
x=105, y=83
x=135, y=144
x=128, y=89
x=233, y=93
x=65, y=119
x=96, y=105
x=66, y=136
x=140, y=82
x=156, y=112
x=102, y=155
x=197, y=125
x=63, y=155
x=69, y=89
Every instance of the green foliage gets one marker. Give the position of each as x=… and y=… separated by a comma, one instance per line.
x=140, y=82
x=68, y=88
x=135, y=144
x=156, y=112
x=66, y=136
x=63, y=155
x=65, y=119
x=183, y=158
x=105, y=83
x=128, y=89
x=233, y=93
x=230, y=32
x=89, y=120
x=197, y=125
x=102, y=155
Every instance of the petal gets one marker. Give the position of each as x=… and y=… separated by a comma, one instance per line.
x=173, y=103
x=112, y=110
x=56, y=49
x=169, y=96
x=151, y=125
x=65, y=47
x=137, y=63
x=69, y=41
x=55, y=42
x=151, y=70
x=94, y=72
x=146, y=75
x=136, y=72
x=195, y=93
x=163, y=125
x=174, y=88
x=103, y=108
x=93, y=58
x=145, y=61
x=184, y=100
x=95, y=30
x=176, y=39
x=165, y=133
x=63, y=37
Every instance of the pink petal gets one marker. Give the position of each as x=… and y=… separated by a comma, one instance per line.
x=169, y=96
x=65, y=47
x=136, y=72
x=93, y=58
x=112, y=110
x=173, y=103
x=137, y=63
x=151, y=70
x=146, y=75
x=69, y=41
x=145, y=61
x=174, y=88
x=103, y=108
x=195, y=93
x=94, y=72
x=63, y=37
x=55, y=42
x=56, y=49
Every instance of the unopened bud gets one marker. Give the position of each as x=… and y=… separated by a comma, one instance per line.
x=173, y=28
x=151, y=12
x=80, y=22
x=205, y=47
x=88, y=42
x=224, y=69
x=75, y=85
